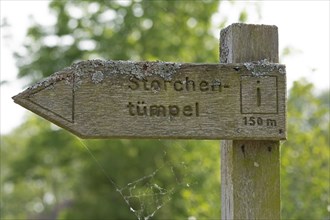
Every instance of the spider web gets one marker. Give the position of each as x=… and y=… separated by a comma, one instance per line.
x=146, y=195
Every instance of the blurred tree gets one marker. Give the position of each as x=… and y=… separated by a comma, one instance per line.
x=305, y=155
x=139, y=30
x=50, y=174
x=47, y=174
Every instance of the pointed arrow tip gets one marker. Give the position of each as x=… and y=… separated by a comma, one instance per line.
x=52, y=98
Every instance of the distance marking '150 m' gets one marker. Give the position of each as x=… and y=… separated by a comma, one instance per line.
x=258, y=121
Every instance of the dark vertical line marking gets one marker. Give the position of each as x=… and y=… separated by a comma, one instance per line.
x=258, y=95
x=243, y=149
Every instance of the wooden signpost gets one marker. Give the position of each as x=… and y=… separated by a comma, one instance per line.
x=239, y=101
x=106, y=99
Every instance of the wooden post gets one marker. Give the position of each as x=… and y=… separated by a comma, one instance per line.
x=250, y=169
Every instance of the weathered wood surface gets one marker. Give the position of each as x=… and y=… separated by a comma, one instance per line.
x=250, y=169
x=105, y=99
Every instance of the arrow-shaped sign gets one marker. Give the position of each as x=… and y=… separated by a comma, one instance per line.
x=105, y=99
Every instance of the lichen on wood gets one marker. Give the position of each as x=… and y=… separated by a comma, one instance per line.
x=140, y=70
x=264, y=67
x=66, y=74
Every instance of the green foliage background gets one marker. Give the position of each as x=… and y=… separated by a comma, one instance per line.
x=47, y=173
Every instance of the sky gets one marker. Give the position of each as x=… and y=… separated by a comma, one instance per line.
x=303, y=27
